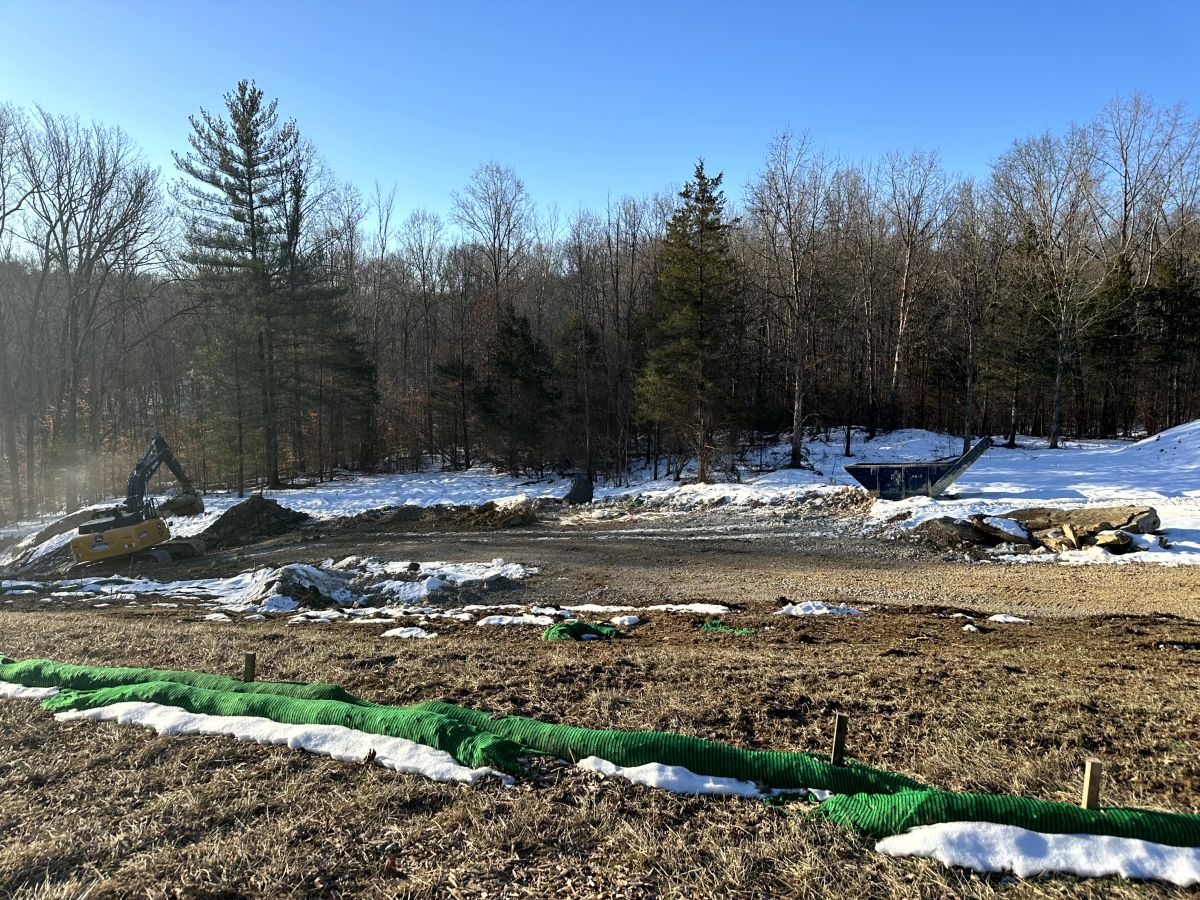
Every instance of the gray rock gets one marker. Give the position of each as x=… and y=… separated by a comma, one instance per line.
x=1090, y=521
x=950, y=532
x=1004, y=530
x=1080, y=526
x=1115, y=541
x=1054, y=539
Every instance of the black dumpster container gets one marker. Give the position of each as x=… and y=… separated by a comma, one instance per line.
x=925, y=478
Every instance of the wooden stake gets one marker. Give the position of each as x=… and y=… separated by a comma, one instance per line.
x=1092, y=770
x=248, y=672
x=839, y=738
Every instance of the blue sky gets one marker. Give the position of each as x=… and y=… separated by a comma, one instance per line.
x=588, y=100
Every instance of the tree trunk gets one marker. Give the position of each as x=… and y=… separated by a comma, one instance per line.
x=241, y=440
x=969, y=397
x=1060, y=366
x=800, y=373
x=9, y=411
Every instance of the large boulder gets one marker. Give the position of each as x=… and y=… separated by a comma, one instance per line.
x=1115, y=541
x=1004, y=530
x=1056, y=540
x=1038, y=518
x=1090, y=521
x=949, y=532
x=1083, y=524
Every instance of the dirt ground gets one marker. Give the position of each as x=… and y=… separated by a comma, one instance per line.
x=103, y=810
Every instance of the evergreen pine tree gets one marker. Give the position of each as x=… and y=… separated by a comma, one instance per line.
x=236, y=195
x=520, y=404
x=685, y=384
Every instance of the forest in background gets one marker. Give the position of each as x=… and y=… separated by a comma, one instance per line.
x=273, y=322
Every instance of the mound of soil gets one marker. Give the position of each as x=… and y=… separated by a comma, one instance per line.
x=384, y=518
x=492, y=515
x=252, y=520
x=486, y=515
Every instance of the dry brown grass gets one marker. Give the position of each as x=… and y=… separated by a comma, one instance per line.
x=104, y=810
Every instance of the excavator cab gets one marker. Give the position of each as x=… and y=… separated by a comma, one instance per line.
x=135, y=527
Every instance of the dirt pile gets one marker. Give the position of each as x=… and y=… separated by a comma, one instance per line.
x=252, y=520
x=385, y=518
x=486, y=515
x=494, y=515
x=852, y=502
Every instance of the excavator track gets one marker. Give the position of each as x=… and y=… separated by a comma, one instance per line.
x=167, y=551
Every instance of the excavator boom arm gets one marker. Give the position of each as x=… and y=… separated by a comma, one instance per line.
x=156, y=454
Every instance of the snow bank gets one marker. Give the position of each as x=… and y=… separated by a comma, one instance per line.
x=343, y=744
x=986, y=847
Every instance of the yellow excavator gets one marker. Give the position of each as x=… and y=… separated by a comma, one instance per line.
x=136, y=528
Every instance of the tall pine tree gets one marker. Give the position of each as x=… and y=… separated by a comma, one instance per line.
x=236, y=195
x=686, y=384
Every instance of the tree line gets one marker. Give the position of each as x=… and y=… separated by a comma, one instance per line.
x=276, y=323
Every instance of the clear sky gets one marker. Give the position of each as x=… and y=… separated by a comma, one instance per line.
x=587, y=100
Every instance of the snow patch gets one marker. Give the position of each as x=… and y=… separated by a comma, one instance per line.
x=1014, y=532
x=676, y=779
x=987, y=847
x=1006, y=619
x=411, y=632
x=708, y=609
x=343, y=744
x=10, y=691
x=525, y=619
x=816, y=608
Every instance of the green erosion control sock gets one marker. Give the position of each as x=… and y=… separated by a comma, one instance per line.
x=635, y=748
x=579, y=631
x=468, y=745
x=875, y=802
x=879, y=816
x=48, y=673
x=718, y=626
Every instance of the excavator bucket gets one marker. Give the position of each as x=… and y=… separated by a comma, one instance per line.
x=182, y=505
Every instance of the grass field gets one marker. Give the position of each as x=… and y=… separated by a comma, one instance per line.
x=104, y=810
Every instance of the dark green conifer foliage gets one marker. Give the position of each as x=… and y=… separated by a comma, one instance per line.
x=236, y=194
x=685, y=385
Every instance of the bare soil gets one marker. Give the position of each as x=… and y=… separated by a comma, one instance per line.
x=104, y=810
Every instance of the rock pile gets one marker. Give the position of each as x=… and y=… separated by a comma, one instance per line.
x=252, y=520
x=1117, y=529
